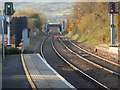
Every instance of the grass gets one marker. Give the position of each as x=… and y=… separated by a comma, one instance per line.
x=105, y=45
x=93, y=31
x=94, y=26
x=86, y=40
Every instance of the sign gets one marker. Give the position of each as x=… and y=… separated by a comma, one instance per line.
x=70, y=28
x=3, y=17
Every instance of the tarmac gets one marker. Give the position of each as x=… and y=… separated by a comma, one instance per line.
x=13, y=75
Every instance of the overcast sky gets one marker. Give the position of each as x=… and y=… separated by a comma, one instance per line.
x=59, y=0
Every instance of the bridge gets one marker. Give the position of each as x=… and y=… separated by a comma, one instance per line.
x=54, y=25
x=49, y=25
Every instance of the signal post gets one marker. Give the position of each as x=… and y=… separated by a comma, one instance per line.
x=112, y=11
x=8, y=11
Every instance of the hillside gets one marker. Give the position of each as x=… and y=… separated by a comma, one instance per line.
x=90, y=23
x=54, y=11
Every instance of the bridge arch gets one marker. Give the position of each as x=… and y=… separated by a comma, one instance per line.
x=54, y=25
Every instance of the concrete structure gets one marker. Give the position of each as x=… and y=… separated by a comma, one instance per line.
x=110, y=52
x=114, y=49
x=25, y=36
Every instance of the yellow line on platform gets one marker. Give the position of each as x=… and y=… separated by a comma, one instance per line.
x=27, y=74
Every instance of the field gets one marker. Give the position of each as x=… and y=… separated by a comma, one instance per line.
x=56, y=10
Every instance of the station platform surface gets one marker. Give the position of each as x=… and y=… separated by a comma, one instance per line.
x=13, y=76
x=43, y=75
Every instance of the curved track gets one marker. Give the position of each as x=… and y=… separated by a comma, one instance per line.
x=91, y=59
x=101, y=58
x=55, y=59
x=41, y=47
x=106, y=76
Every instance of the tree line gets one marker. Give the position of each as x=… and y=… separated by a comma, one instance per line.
x=90, y=22
x=36, y=19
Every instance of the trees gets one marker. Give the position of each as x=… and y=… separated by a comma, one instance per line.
x=91, y=21
x=36, y=20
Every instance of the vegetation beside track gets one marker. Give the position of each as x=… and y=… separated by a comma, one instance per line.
x=90, y=23
x=36, y=23
x=35, y=19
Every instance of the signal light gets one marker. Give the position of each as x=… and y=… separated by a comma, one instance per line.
x=112, y=11
x=111, y=7
x=9, y=8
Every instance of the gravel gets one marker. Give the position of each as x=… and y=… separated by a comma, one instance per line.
x=63, y=69
x=106, y=78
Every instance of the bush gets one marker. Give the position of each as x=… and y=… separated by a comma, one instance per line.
x=12, y=51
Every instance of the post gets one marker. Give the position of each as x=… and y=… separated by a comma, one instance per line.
x=62, y=27
x=8, y=29
x=3, y=49
x=45, y=28
x=112, y=30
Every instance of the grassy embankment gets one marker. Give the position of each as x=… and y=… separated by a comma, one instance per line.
x=92, y=27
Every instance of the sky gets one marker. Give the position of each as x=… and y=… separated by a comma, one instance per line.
x=58, y=0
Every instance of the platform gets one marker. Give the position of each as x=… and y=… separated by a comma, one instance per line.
x=43, y=75
x=13, y=75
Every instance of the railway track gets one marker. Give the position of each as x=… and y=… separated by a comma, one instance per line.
x=101, y=58
x=41, y=47
x=106, y=76
x=91, y=58
x=47, y=56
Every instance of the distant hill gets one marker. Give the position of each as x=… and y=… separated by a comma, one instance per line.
x=54, y=11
